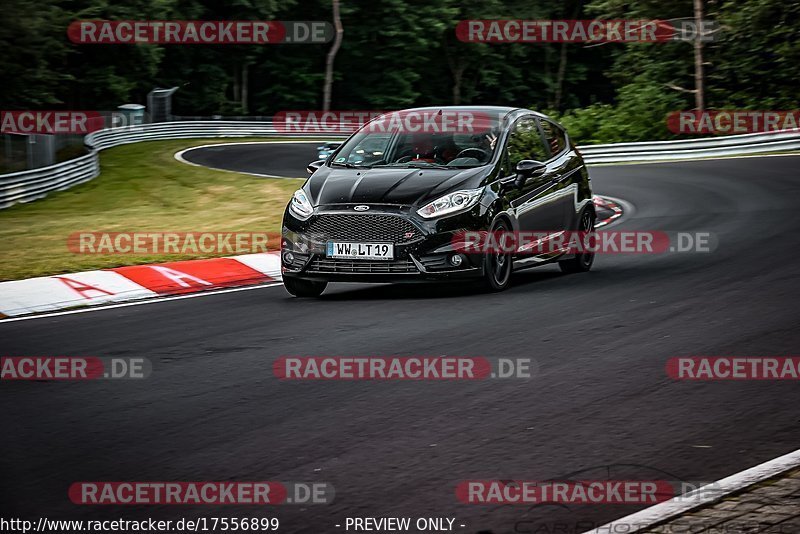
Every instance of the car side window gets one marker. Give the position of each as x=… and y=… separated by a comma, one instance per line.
x=525, y=142
x=554, y=136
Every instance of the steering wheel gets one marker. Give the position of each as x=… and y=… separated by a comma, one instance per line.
x=406, y=159
x=474, y=152
x=407, y=154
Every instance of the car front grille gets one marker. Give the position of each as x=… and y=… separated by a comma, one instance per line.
x=327, y=265
x=372, y=228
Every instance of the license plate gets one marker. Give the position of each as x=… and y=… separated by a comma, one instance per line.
x=361, y=251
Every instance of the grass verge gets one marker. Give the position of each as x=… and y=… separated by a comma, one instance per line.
x=141, y=188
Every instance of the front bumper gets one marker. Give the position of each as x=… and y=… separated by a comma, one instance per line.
x=423, y=249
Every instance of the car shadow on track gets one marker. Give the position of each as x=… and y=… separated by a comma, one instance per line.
x=430, y=291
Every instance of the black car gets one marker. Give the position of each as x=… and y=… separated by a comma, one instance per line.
x=388, y=205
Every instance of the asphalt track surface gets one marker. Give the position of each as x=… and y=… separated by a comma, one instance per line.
x=275, y=159
x=600, y=407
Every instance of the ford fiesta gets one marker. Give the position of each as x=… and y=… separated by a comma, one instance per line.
x=389, y=204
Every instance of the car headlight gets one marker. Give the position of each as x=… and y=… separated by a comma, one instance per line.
x=300, y=206
x=451, y=203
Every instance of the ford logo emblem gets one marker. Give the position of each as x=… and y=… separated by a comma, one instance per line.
x=361, y=208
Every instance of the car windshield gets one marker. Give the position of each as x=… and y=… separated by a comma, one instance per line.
x=438, y=140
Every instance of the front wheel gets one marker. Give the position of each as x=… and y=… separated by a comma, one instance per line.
x=582, y=262
x=304, y=288
x=497, y=264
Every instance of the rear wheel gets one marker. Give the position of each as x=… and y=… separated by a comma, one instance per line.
x=304, y=288
x=497, y=264
x=582, y=262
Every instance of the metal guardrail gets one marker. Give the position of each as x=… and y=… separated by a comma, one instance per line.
x=26, y=186
x=188, y=130
x=732, y=145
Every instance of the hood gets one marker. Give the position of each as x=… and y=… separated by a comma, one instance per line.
x=334, y=185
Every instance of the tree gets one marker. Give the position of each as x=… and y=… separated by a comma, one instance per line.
x=33, y=45
x=337, y=42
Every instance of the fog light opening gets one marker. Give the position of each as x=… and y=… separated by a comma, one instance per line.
x=456, y=260
x=288, y=257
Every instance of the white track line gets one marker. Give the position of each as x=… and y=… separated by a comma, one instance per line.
x=702, y=496
x=139, y=302
x=179, y=156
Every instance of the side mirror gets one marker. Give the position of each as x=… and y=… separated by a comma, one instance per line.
x=314, y=165
x=529, y=168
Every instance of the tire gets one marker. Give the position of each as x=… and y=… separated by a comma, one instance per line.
x=304, y=288
x=497, y=266
x=581, y=263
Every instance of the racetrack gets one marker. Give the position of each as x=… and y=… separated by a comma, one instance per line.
x=212, y=409
x=266, y=159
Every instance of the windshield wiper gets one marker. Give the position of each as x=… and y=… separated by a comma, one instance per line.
x=346, y=165
x=418, y=165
